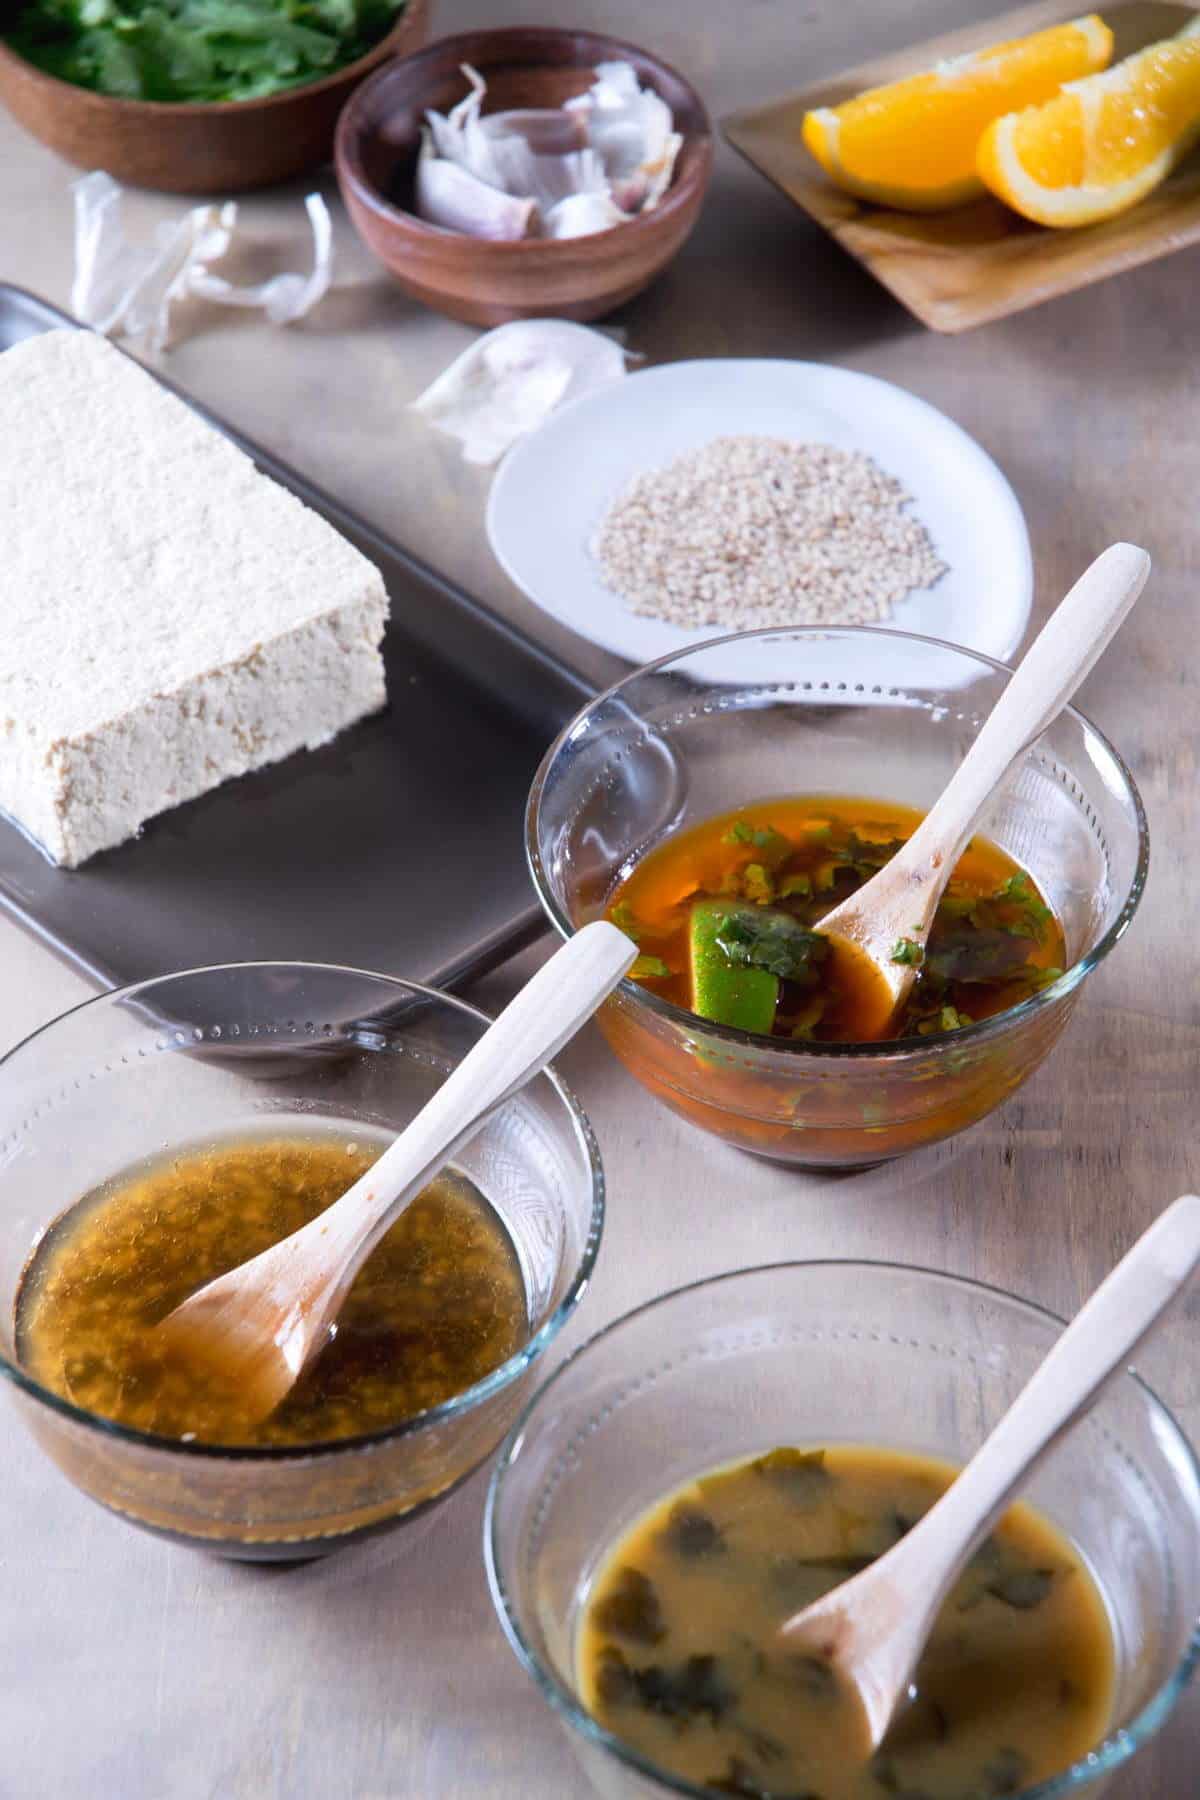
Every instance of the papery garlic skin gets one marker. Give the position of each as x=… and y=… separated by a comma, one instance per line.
x=632, y=128
x=511, y=379
x=126, y=288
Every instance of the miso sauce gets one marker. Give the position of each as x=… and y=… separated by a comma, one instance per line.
x=678, y=1650
x=438, y=1305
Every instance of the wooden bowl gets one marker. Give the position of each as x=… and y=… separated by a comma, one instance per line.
x=217, y=147
x=483, y=282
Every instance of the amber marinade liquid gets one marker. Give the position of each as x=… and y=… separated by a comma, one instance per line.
x=800, y=864
x=438, y=1305
x=678, y=1650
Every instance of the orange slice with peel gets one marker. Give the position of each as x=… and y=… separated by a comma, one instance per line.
x=1104, y=143
x=913, y=143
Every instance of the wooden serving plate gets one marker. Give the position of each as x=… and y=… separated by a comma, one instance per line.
x=979, y=262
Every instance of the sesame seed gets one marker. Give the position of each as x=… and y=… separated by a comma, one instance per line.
x=748, y=532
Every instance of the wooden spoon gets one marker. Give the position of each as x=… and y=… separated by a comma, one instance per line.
x=873, y=1628
x=255, y=1329
x=892, y=913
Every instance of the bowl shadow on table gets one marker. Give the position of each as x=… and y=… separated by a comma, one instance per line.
x=810, y=299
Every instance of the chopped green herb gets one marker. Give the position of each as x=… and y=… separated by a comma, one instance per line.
x=772, y=845
x=866, y=856
x=693, y=1532
x=814, y=1676
x=909, y=952
x=196, y=50
x=694, y=1688
x=804, y=1023
x=632, y=1610
x=1023, y=1588
x=624, y=918
x=1006, y=1773
x=773, y=941
x=1019, y=889
x=796, y=886
x=739, y=1778
x=757, y=884
x=614, y=1677
x=801, y=1473
x=761, y=1744
x=839, y=1564
x=946, y=1018
x=649, y=968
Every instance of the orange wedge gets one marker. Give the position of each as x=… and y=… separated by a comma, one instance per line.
x=1104, y=142
x=913, y=143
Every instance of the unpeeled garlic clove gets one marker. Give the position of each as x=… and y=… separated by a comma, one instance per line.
x=452, y=197
x=582, y=215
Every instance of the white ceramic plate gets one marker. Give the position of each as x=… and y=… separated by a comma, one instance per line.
x=554, y=488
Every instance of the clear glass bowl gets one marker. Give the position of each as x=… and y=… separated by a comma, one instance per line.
x=822, y=1353
x=210, y=1052
x=778, y=712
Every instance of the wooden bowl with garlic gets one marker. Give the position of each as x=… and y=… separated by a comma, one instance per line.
x=525, y=172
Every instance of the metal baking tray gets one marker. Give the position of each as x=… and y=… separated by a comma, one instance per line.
x=398, y=847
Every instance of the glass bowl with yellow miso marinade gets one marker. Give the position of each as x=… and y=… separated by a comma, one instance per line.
x=719, y=802
x=161, y=1135
x=710, y=1464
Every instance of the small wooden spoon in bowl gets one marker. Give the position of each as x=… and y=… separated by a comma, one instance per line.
x=879, y=934
x=255, y=1329
x=873, y=1628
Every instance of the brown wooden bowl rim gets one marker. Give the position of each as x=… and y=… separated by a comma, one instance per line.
x=201, y=109
x=687, y=186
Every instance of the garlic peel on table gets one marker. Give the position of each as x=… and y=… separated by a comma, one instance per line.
x=587, y=166
x=511, y=379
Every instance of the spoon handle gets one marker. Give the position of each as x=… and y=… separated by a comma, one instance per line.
x=1068, y=645
x=1099, y=1341
x=530, y=1031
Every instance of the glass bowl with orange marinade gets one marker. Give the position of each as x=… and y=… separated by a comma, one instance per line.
x=717, y=802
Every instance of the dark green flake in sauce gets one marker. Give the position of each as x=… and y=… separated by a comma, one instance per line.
x=631, y=1609
x=801, y=1474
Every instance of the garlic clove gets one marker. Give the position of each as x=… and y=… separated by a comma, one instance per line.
x=455, y=198
x=582, y=215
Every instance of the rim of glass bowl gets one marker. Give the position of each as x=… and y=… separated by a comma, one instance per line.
x=434, y=1415
x=1116, y=1747
x=980, y=1029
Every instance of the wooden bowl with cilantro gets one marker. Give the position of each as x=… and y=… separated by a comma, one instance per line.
x=195, y=96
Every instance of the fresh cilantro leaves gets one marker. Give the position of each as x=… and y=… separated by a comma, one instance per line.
x=196, y=50
x=775, y=942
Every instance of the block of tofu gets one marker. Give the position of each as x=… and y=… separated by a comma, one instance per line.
x=169, y=617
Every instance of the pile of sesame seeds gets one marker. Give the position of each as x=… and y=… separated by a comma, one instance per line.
x=756, y=531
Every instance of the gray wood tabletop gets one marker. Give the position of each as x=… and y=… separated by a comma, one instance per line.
x=131, y=1670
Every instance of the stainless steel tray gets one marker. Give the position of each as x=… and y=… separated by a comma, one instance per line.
x=399, y=847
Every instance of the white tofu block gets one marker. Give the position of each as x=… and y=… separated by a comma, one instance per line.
x=169, y=617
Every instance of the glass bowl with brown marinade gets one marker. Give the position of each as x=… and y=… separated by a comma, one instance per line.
x=790, y=1375
x=725, y=728
x=234, y=1091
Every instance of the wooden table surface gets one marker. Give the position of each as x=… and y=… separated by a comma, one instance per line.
x=130, y=1670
